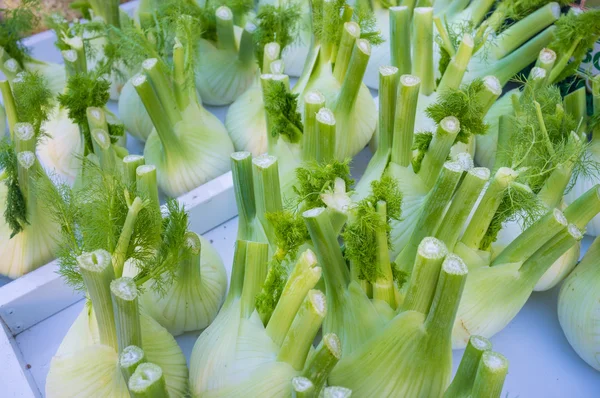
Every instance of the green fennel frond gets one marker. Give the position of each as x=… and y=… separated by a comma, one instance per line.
x=16, y=24
x=575, y=35
x=15, y=211
x=463, y=104
x=33, y=99
x=290, y=233
x=327, y=20
x=267, y=299
x=365, y=17
x=360, y=234
x=519, y=204
x=84, y=90
x=161, y=268
x=316, y=178
x=281, y=107
x=515, y=10
x=279, y=24
x=420, y=144
x=83, y=7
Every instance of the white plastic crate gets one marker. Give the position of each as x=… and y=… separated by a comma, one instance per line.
x=37, y=309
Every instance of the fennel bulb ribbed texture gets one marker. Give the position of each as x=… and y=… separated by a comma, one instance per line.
x=61, y=150
x=82, y=366
x=579, y=307
x=193, y=299
x=246, y=122
x=133, y=114
x=34, y=246
x=200, y=154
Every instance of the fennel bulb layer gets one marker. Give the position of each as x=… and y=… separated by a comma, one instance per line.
x=246, y=122
x=133, y=114
x=34, y=246
x=54, y=73
x=200, y=153
x=579, y=308
x=84, y=367
x=221, y=76
x=61, y=151
x=192, y=301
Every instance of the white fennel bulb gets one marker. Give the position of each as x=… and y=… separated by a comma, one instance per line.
x=87, y=361
x=579, y=307
x=237, y=354
x=225, y=69
x=188, y=145
x=193, y=299
x=60, y=151
x=133, y=114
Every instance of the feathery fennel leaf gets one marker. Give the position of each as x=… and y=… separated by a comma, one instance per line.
x=290, y=233
x=420, y=144
x=279, y=24
x=575, y=34
x=15, y=211
x=463, y=104
x=360, y=234
x=33, y=100
x=316, y=178
x=281, y=107
x=16, y=24
x=267, y=299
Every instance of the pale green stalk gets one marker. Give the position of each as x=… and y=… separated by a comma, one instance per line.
x=147, y=186
x=533, y=238
x=546, y=60
x=246, y=51
x=270, y=54
x=404, y=123
x=422, y=65
x=563, y=61
x=304, y=277
x=302, y=388
x=487, y=207
x=432, y=212
x=120, y=252
x=513, y=37
x=267, y=190
x=383, y=288
x=584, y=208
x=130, y=165
x=11, y=69
x=575, y=105
x=256, y=261
x=103, y=149
x=313, y=101
x=126, y=312
x=438, y=150
x=322, y=362
x=457, y=67
x=181, y=86
x=98, y=273
x=490, y=376
x=400, y=25
x=476, y=11
x=243, y=186
x=463, y=202
x=326, y=127
x=350, y=34
x=148, y=381
x=462, y=384
x=425, y=273
x=441, y=316
x=506, y=127
x=303, y=330
x=344, y=102
x=444, y=36
x=129, y=359
x=225, y=33
x=9, y=106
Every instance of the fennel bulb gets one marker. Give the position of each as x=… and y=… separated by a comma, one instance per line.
x=237, y=354
x=578, y=307
x=411, y=356
x=193, y=299
x=61, y=150
x=188, y=145
x=225, y=69
x=88, y=354
x=133, y=113
x=27, y=230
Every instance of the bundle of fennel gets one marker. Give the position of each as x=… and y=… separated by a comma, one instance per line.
x=110, y=227
x=26, y=230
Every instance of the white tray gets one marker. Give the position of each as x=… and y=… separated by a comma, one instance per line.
x=37, y=309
